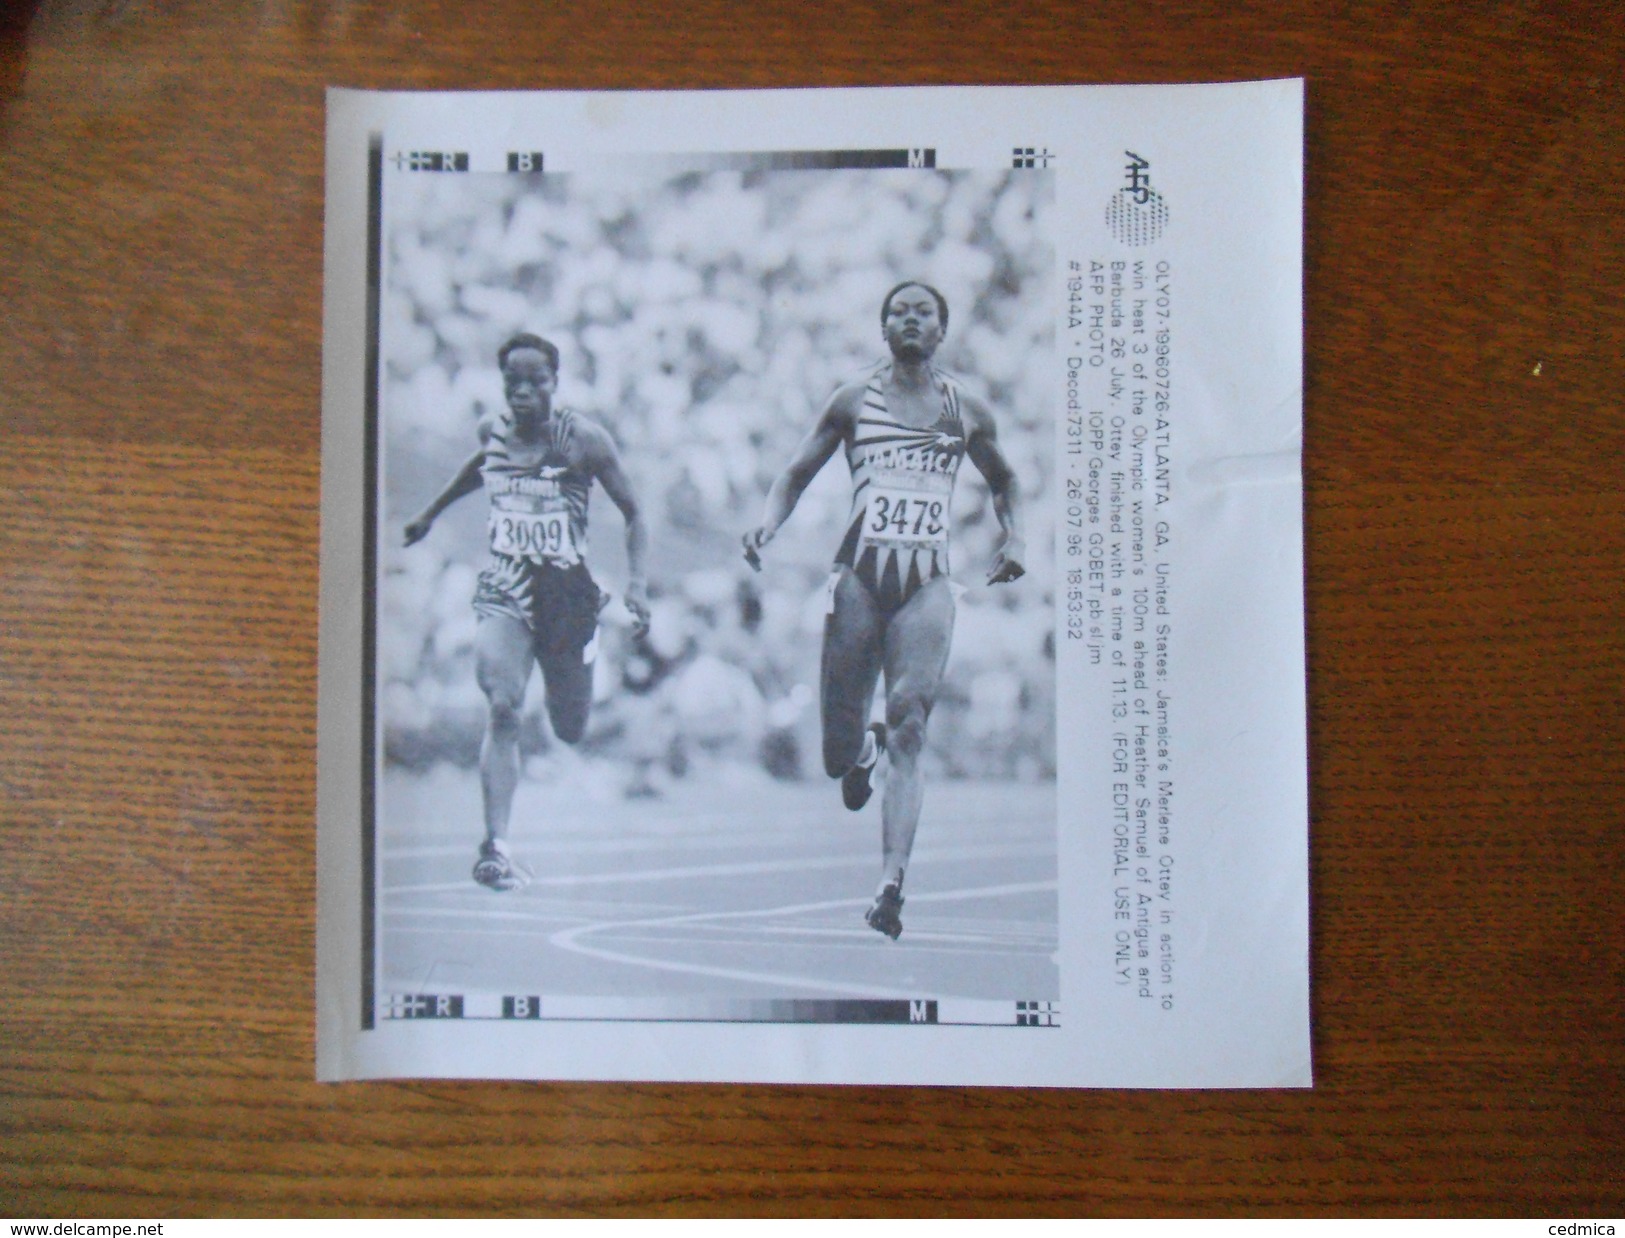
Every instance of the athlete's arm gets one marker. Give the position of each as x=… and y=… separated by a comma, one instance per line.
x=982, y=446
x=606, y=466
x=465, y=481
x=828, y=433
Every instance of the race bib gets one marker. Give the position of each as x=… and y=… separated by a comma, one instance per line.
x=894, y=516
x=542, y=537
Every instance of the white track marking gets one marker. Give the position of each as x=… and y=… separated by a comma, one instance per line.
x=533, y=915
x=570, y=939
x=1033, y=844
x=807, y=936
x=685, y=873
x=1021, y=939
x=748, y=869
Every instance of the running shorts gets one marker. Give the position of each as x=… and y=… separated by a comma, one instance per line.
x=558, y=603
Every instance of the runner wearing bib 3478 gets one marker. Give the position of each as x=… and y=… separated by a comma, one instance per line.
x=536, y=601
x=906, y=428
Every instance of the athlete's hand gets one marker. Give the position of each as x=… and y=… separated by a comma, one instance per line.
x=637, y=605
x=1007, y=562
x=418, y=529
x=754, y=541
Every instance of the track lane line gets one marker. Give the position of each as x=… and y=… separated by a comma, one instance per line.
x=569, y=940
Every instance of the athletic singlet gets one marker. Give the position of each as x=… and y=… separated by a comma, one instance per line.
x=902, y=483
x=537, y=532
x=538, y=511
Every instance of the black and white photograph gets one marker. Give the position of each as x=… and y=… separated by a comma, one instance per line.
x=715, y=594
x=812, y=587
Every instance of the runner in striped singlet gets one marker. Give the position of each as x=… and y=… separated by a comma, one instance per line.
x=536, y=601
x=905, y=430
x=902, y=483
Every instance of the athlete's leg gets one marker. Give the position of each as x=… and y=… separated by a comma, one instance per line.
x=567, y=624
x=568, y=679
x=502, y=646
x=916, y=653
x=850, y=669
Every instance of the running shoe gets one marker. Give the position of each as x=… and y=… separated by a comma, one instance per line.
x=886, y=914
x=856, y=783
x=496, y=870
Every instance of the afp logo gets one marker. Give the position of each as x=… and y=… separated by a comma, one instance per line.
x=1136, y=213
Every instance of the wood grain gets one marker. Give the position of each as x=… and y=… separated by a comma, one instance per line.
x=160, y=273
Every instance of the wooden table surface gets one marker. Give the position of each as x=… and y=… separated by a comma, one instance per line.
x=160, y=294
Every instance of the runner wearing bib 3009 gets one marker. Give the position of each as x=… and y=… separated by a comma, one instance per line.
x=536, y=601
x=537, y=525
x=906, y=429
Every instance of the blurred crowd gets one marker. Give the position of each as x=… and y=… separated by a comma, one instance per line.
x=703, y=320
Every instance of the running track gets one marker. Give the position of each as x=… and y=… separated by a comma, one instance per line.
x=753, y=890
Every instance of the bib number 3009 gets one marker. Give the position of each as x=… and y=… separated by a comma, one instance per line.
x=522, y=535
x=904, y=517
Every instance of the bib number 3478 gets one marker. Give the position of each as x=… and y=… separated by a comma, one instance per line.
x=896, y=517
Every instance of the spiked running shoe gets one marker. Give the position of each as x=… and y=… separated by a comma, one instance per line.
x=886, y=914
x=496, y=870
x=857, y=783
